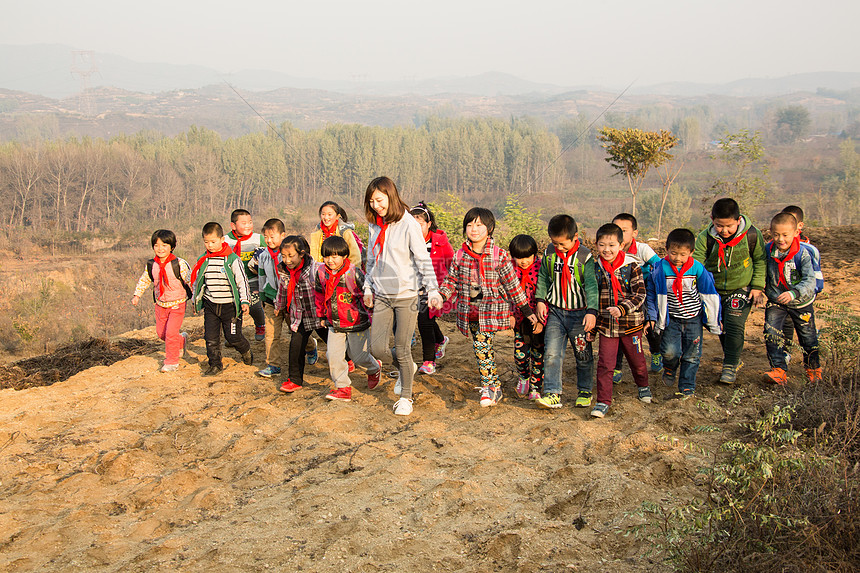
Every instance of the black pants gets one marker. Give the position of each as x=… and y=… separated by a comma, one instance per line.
x=431, y=334
x=298, y=342
x=218, y=318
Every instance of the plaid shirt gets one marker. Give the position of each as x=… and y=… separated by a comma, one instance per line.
x=303, y=309
x=500, y=288
x=632, y=302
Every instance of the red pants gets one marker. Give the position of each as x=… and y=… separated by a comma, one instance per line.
x=168, y=322
x=607, y=354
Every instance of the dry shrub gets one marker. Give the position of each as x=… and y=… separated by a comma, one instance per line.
x=785, y=497
x=70, y=359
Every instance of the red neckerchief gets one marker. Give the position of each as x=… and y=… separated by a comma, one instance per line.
x=333, y=279
x=328, y=231
x=224, y=251
x=294, y=277
x=274, y=254
x=722, y=246
x=237, y=248
x=678, y=285
x=633, y=248
x=525, y=276
x=611, y=268
x=566, y=278
x=428, y=237
x=162, y=275
x=795, y=247
x=379, y=244
x=478, y=257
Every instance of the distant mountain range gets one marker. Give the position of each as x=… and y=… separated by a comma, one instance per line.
x=46, y=70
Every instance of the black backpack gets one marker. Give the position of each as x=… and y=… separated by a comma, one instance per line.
x=176, y=273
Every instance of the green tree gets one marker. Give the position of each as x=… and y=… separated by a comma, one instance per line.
x=792, y=123
x=749, y=179
x=632, y=152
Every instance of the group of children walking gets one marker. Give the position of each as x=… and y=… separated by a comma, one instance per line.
x=355, y=298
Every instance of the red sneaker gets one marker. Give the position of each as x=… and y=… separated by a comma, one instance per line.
x=289, y=387
x=776, y=376
x=343, y=394
x=813, y=374
x=373, y=379
x=350, y=366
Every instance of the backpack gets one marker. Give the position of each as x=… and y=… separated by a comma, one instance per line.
x=816, y=266
x=752, y=239
x=176, y=272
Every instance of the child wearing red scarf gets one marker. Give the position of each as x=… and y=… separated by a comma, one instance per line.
x=483, y=279
x=264, y=265
x=528, y=339
x=339, y=287
x=433, y=342
x=567, y=305
x=621, y=316
x=732, y=249
x=681, y=300
x=296, y=302
x=646, y=258
x=332, y=224
x=243, y=241
x=221, y=291
x=170, y=277
x=790, y=290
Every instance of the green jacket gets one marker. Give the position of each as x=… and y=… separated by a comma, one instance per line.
x=742, y=268
x=582, y=294
x=200, y=283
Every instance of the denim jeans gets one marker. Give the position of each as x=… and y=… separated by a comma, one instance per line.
x=775, y=316
x=561, y=326
x=682, y=344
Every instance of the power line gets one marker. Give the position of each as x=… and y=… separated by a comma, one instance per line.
x=577, y=138
x=296, y=152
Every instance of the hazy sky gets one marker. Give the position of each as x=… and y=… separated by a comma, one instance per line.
x=563, y=42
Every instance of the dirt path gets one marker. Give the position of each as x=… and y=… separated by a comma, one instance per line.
x=122, y=468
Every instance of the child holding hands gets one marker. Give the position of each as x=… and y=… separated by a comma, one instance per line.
x=339, y=287
x=621, y=318
x=483, y=278
x=528, y=338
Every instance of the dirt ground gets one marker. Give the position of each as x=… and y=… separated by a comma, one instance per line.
x=122, y=468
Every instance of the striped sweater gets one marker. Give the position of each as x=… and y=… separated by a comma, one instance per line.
x=582, y=293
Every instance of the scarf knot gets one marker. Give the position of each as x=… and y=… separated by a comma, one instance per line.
x=333, y=280
x=793, y=250
x=237, y=248
x=723, y=246
x=678, y=284
x=162, y=274
x=610, y=267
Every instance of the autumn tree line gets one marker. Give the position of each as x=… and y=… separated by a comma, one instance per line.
x=84, y=185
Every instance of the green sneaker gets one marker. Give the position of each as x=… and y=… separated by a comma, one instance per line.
x=729, y=373
x=549, y=401
x=617, y=377
x=583, y=400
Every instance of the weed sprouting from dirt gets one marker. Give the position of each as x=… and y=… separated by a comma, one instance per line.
x=70, y=359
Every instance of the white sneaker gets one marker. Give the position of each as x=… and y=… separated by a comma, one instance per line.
x=170, y=368
x=403, y=407
x=398, y=386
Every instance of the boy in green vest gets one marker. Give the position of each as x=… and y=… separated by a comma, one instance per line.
x=732, y=249
x=221, y=290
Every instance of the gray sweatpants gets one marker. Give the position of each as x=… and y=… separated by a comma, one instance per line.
x=336, y=353
x=406, y=311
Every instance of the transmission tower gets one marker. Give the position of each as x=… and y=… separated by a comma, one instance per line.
x=84, y=65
